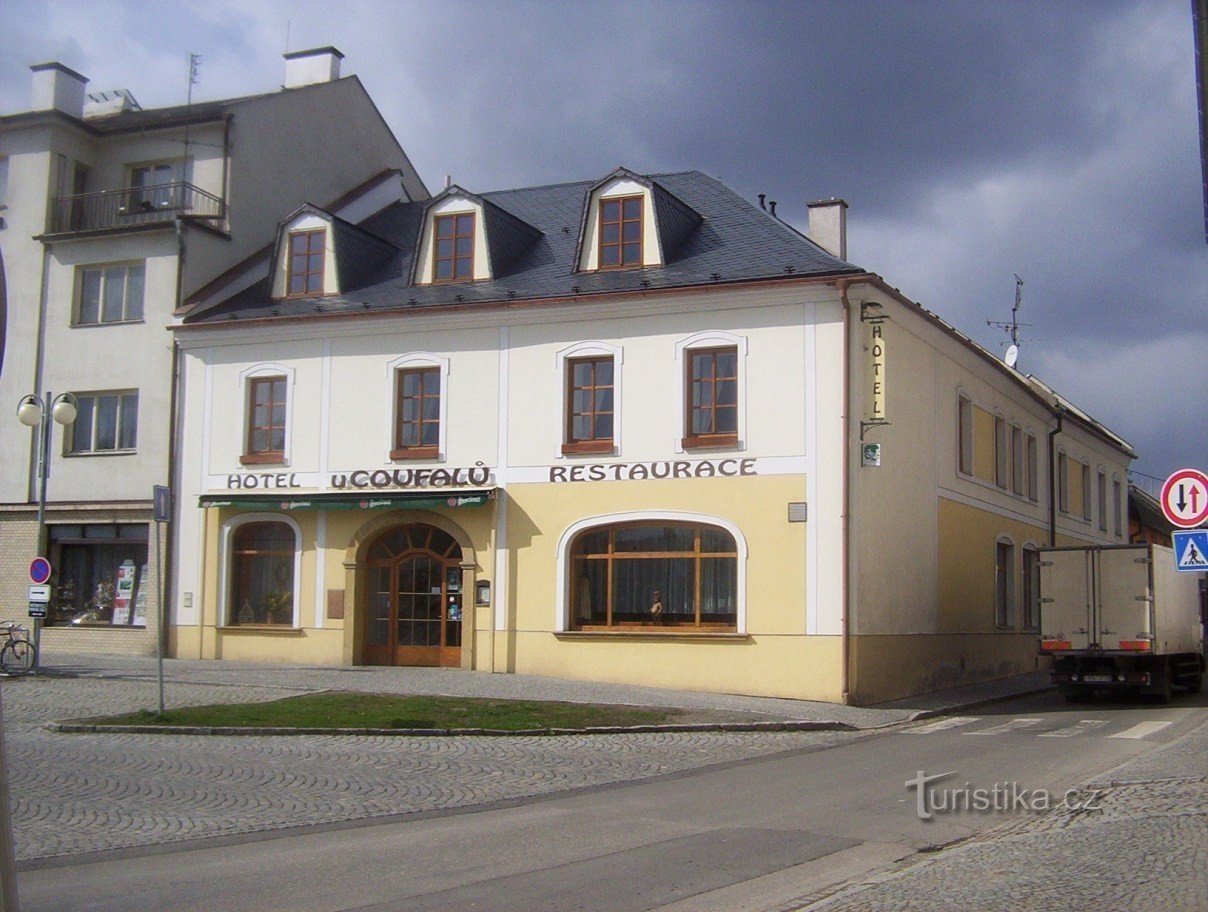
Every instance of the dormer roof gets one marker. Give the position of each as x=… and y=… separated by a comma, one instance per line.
x=360, y=255
x=507, y=236
x=674, y=219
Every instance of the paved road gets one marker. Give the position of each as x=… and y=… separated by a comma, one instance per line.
x=784, y=819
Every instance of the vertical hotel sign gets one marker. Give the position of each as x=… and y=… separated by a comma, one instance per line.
x=876, y=350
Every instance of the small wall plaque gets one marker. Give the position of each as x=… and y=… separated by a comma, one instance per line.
x=335, y=604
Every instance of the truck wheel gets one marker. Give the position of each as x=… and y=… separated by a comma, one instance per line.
x=1194, y=683
x=1161, y=690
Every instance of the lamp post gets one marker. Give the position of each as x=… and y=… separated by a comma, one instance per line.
x=32, y=412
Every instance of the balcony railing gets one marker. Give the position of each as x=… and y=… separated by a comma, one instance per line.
x=133, y=206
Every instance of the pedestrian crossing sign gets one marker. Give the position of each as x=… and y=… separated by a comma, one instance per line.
x=1191, y=550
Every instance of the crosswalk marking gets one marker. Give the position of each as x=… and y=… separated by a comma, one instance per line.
x=1013, y=725
x=942, y=725
x=1084, y=725
x=1141, y=730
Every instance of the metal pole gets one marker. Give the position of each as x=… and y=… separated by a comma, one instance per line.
x=159, y=633
x=40, y=546
x=8, y=867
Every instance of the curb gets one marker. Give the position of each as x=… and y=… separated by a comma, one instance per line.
x=784, y=726
x=975, y=704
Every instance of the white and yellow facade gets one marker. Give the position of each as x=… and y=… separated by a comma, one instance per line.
x=816, y=576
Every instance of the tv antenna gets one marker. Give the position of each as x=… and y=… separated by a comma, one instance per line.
x=1012, y=328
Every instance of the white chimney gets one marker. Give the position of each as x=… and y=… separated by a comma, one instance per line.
x=828, y=226
x=57, y=88
x=303, y=68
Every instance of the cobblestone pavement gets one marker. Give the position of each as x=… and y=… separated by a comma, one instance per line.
x=74, y=794
x=1145, y=848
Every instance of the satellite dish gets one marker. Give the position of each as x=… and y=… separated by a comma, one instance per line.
x=1012, y=355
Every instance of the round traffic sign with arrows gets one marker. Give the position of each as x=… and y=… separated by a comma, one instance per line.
x=1185, y=498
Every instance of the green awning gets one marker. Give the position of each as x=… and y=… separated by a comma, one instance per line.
x=396, y=500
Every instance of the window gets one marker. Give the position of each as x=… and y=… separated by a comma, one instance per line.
x=306, y=255
x=1085, y=474
x=589, y=405
x=417, y=414
x=152, y=186
x=621, y=232
x=1102, y=502
x=105, y=423
x=100, y=575
x=1063, y=483
x=654, y=575
x=1031, y=588
x=711, y=391
x=454, y=254
x=1004, y=584
x=262, y=574
x=964, y=417
x=3, y=182
x=266, y=420
x=1033, y=469
x=1000, y=452
x=1116, y=507
x=110, y=294
x=1017, y=464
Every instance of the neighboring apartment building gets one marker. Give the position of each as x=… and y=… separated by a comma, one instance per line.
x=615, y=430
x=108, y=215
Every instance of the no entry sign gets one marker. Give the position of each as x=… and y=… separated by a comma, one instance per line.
x=1185, y=498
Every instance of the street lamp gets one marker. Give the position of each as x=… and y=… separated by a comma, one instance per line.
x=31, y=411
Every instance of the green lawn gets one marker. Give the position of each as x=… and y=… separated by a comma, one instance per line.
x=363, y=710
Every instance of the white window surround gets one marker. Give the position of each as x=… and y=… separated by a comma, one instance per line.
x=711, y=339
x=453, y=205
x=562, y=612
x=266, y=370
x=590, y=349
x=652, y=252
x=225, y=555
x=417, y=359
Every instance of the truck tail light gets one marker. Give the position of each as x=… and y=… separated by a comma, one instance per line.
x=1136, y=645
x=1054, y=645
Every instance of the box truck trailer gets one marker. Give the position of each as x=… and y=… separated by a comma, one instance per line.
x=1120, y=617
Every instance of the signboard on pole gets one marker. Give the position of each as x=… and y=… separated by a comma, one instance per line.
x=39, y=570
x=1190, y=551
x=162, y=498
x=39, y=598
x=1185, y=498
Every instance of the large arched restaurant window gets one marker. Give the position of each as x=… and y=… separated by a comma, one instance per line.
x=262, y=574
x=654, y=575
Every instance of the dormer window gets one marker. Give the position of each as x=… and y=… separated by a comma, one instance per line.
x=306, y=254
x=454, y=253
x=621, y=232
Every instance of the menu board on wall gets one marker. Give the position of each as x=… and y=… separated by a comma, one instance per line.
x=140, y=599
x=123, y=594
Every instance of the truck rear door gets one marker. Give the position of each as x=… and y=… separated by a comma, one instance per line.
x=1122, y=583
x=1065, y=599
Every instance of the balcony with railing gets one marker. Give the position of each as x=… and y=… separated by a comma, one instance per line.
x=131, y=207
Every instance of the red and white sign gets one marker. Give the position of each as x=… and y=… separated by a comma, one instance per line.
x=1185, y=498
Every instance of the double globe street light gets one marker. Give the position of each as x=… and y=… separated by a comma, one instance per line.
x=32, y=412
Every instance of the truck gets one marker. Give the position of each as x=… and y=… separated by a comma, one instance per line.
x=1120, y=618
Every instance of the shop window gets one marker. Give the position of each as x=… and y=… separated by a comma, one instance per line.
x=265, y=420
x=104, y=423
x=1004, y=584
x=306, y=255
x=109, y=294
x=711, y=397
x=417, y=413
x=651, y=576
x=621, y=232
x=964, y=419
x=262, y=574
x=1031, y=588
x=454, y=249
x=590, y=408
x=100, y=575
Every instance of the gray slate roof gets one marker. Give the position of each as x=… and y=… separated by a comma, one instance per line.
x=734, y=241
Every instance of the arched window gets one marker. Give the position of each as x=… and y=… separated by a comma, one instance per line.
x=262, y=574
x=657, y=574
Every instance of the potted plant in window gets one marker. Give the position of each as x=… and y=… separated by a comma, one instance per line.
x=280, y=606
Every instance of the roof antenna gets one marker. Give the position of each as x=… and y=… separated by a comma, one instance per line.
x=194, y=66
x=1012, y=328
x=762, y=205
x=772, y=208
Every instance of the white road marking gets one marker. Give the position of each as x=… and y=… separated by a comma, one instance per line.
x=1141, y=730
x=1085, y=725
x=942, y=725
x=1013, y=725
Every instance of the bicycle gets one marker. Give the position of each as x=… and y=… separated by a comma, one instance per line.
x=17, y=655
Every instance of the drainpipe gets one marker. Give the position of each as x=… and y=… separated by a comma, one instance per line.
x=1060, y=413
x=845, y=633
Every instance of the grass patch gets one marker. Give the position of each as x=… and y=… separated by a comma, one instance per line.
x=363, y=710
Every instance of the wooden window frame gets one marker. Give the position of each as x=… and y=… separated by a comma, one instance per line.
x=1033, y=467
x=237, y=567
x=125, y=400
x=264, y=457
x=1005, y=613
x=1030, y=602
x=421, y=451
x=573, y=446
x=306, y=272
x=105, y=271
x=704, y=441
x=437, y=259
x=964, y=435
x=620, y=242
x=1001, y=454
x=611, y=556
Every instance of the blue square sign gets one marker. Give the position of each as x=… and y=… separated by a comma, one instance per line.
x=1191, y=550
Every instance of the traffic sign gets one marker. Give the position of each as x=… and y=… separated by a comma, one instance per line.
x=39, y=570
x=37, y=610
x=1190, y=551
x=1185, y=498
x=39, y=595
x=161, y=496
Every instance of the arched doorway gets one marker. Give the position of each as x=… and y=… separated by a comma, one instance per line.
x=414, y=582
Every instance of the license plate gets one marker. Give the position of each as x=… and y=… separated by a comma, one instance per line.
x=1098, y=679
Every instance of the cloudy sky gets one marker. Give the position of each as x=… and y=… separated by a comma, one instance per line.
x=972, y=140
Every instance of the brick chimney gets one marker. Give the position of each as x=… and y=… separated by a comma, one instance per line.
x=303, y=68
x=58, y=88
x=828, y=226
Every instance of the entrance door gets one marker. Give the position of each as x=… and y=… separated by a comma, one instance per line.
x=415, y=598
